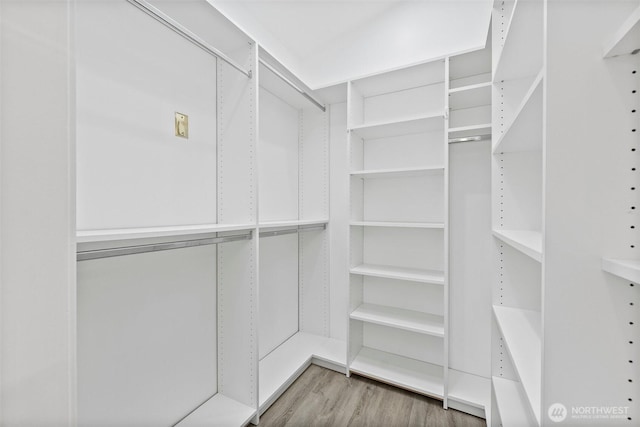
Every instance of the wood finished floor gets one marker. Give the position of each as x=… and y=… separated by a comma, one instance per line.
x=321, y=397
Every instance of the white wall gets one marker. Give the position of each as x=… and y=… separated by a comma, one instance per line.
x=37, y=226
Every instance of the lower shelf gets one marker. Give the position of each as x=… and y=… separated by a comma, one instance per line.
x=280, y=368
x=219, y=411
x=512, y=403
x=410, y=374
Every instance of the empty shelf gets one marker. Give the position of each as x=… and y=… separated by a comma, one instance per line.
x=470, y=389
x=524, y=132
x=398, y=224
x=526, y=241
x=521, y=332
x=408, y=320
x=400, y=371
x=628, y=269
x=398, y=173
x=512, y=403
x=627, y=37
x=400, y=273
x=191, y=231
x=399, y=127
x=470, y=96
x=219, y=411
x=482, y=129
x=292, y=223
x=284, y=364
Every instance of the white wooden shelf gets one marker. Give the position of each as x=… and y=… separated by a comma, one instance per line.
x=219, y=411
x=399, y=127
x=400, y=371
x=512, y=403
x=628, y=269
x=481, y=129
x=398, y=273
x=408, y=320
x=524, y=132
x=526, y=241
x=470, y=389
x=283, y=365
x=521, y=330
x=626, y=38
x=190, y=231
x=398, y=224
x=523, y=33
x=292, y=223
x=397, y=173
x=470, y=96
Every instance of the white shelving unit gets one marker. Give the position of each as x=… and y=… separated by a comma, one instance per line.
x=397, y=311
x=196, y=188
x=469, y=135
x=518, y=194
x=627, y=269
x=294, y=302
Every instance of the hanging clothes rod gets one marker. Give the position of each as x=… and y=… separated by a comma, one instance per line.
x=298, y=229
x=168, y=22
x=156, y=247
x=469, y=139
x=293, y=85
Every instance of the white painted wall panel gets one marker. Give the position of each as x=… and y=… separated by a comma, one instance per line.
x=406, y=151
x=147, y=328
x=278, y=303
x=404, y=343
x=132, y=169
x=403, y=247
x=278, y=157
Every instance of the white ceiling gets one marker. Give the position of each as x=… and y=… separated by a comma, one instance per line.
x=328, y=41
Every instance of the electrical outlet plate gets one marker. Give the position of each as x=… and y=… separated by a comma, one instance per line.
x=182, y=125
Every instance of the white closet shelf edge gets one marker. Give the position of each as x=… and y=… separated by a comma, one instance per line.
x=512, y=403
x=219, y=411
x=408, y=320
x=521, y=330
x=528, y=242
x=626, y=38
x=628, y=269
x=435, y=277
x=420, y=377
x=188, y=231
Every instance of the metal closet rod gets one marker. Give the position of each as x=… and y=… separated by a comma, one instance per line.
x=165, y=20
x=298, y=229
x=469, y=139
x=156, y=247
x=293, y=85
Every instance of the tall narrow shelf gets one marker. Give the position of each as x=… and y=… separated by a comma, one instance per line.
x=518, y=173
x=397, y=139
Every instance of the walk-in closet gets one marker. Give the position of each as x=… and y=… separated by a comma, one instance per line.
x=330, y=213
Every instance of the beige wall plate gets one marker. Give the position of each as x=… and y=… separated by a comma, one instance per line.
x=182, y=125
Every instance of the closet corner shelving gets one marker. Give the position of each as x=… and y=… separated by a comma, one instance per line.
x=397, y=313
x=293, y=152
x=518, y=194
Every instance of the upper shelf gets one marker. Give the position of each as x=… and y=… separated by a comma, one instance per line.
x=626, y=38
x=526, y=241
x=523, y=34
x=399, y=273
x=524, y=133
x=189, y=231
x=408, y=320
x=397, y=173
x=291, y=223
x=399, y=127
x=398, y=224
x=521, y=331
x=628, y=269
x=470, y=96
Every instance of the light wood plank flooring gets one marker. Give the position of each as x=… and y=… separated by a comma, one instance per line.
x=321, y=397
